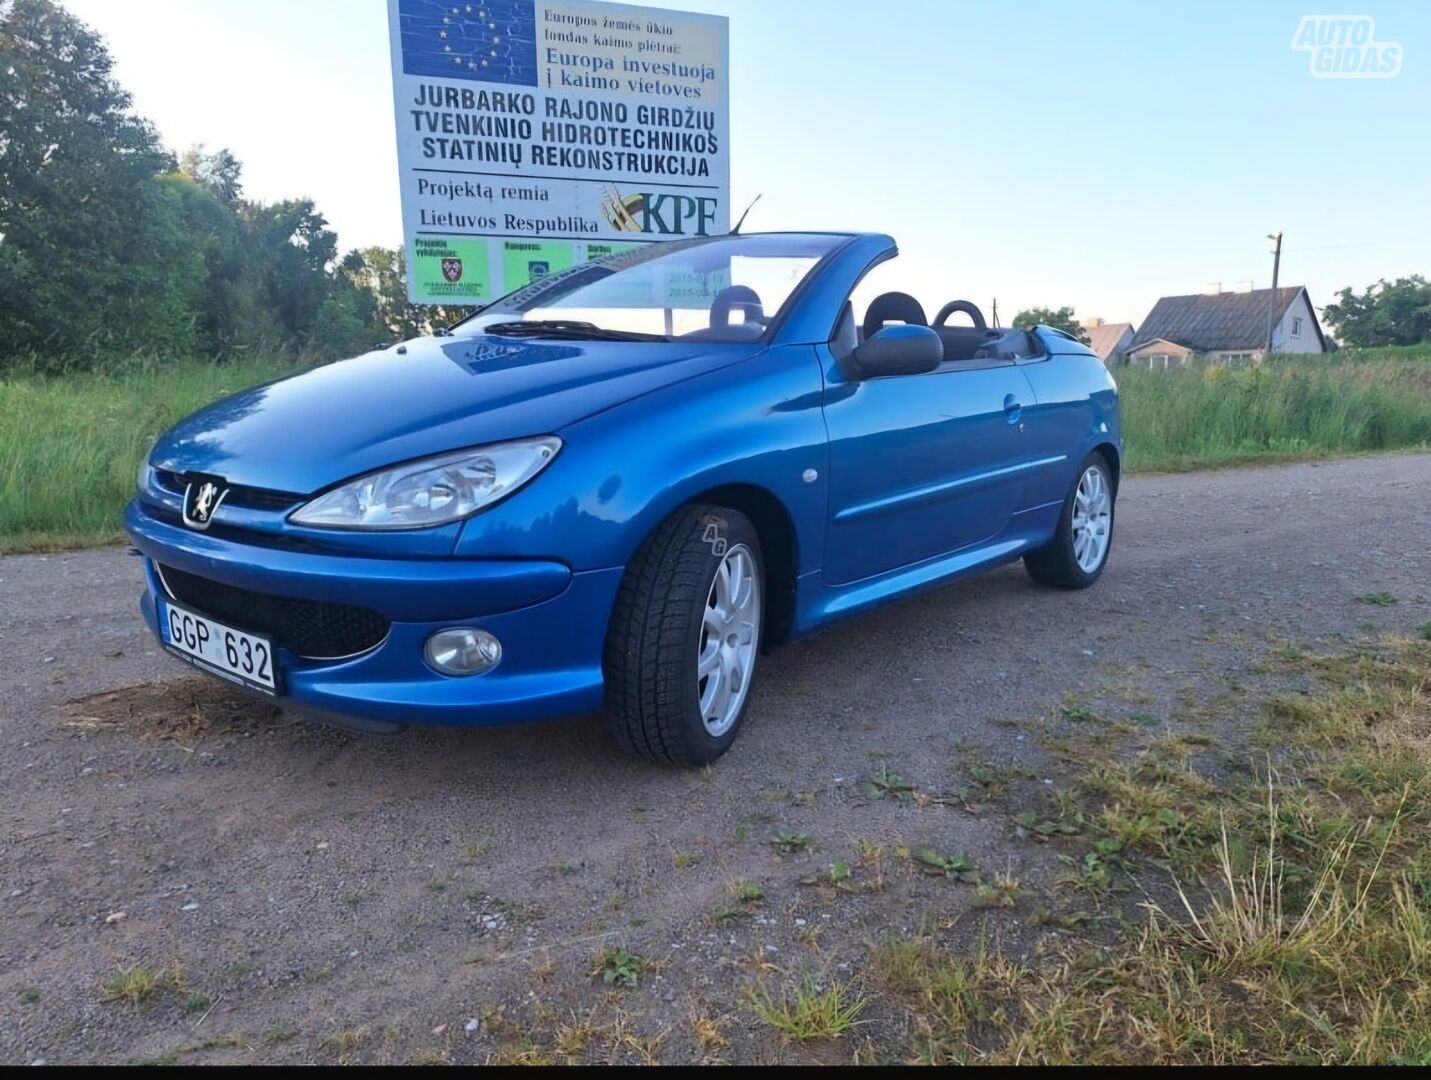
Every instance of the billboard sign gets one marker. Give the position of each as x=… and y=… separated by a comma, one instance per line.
x=534, y=135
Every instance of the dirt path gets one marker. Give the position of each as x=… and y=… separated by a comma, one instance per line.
x=328, y=897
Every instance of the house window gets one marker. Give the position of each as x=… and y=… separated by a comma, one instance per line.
x=1296, y=326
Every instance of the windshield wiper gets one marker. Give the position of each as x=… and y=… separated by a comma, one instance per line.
x=568, y=329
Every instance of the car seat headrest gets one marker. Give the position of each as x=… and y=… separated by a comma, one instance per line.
x=731, y=297
x=893, y=307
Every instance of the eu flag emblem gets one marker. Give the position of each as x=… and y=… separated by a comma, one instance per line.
x=485, y=40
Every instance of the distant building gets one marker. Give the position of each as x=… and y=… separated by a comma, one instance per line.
x=1110, y=341
x=1227, y=327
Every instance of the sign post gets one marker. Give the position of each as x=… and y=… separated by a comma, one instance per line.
x=533, y=135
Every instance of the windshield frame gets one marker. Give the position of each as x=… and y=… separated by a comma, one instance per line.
x=839, y=242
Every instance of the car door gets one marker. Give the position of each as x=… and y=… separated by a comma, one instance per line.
x=921, y=465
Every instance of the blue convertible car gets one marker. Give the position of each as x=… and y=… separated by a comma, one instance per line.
x=612, y=489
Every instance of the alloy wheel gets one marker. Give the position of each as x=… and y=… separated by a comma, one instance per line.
x=1092, y=519
x=730, y=636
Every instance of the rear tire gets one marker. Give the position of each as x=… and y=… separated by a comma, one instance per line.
x=684, y=638
x=1076, y=556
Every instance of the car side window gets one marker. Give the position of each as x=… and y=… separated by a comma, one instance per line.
x=846, y=336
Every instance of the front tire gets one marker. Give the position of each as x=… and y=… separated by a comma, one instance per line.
x=684, y=638
x=1079, y=550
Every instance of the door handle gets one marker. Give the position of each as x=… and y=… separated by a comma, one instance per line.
x=1013, y=408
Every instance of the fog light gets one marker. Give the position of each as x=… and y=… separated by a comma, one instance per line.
x=463, y=651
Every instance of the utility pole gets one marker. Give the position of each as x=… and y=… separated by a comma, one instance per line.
x=1276, y=239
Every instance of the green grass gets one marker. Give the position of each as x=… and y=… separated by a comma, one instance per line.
x=1377, y=599
x=956, y=866
x=70, y=444
x=1293, y=924
x=787, y=841
x=745, y=897
x=1354, y=401
x=134, y=985
x=618, y=967
x=807, y=1010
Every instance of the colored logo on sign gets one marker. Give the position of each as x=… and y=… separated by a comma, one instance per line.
x=621, y=212
x=452, y=269
x=659, y=212
x=488, y=41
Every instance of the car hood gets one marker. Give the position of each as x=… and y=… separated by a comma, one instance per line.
x=427, y=396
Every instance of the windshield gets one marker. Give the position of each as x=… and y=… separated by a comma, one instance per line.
x=724, y=289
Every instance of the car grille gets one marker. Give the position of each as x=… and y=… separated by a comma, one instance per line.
x=251, y=497
x=314, y=629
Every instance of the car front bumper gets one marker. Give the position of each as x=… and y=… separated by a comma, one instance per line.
x=550, y=620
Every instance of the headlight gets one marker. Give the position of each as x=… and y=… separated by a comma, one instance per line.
x=141, y=479
x=432, y=491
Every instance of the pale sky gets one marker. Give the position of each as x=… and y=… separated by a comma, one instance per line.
x=1098, y=154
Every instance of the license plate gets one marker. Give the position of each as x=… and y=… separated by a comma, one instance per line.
x=243, y=658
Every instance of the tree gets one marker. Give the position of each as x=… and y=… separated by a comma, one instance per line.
x=1388, y=313
x=1058, y=318
x=219, y=172
x=291, y=247
x=110, y=247
x=75, y=167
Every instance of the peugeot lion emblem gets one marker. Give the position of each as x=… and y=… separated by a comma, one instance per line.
x=200, y=504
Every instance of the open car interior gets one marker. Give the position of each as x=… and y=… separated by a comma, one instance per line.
x=977, y=341
x=736, y=314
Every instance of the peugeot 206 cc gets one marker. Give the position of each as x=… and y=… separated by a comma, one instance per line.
x=611, y=490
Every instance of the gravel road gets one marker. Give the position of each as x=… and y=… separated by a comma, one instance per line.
x=304, y=894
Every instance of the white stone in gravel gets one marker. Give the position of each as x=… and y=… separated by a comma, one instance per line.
x=472, y=1026
x=192, y=905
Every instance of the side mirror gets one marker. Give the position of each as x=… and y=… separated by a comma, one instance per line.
x=901, y=349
